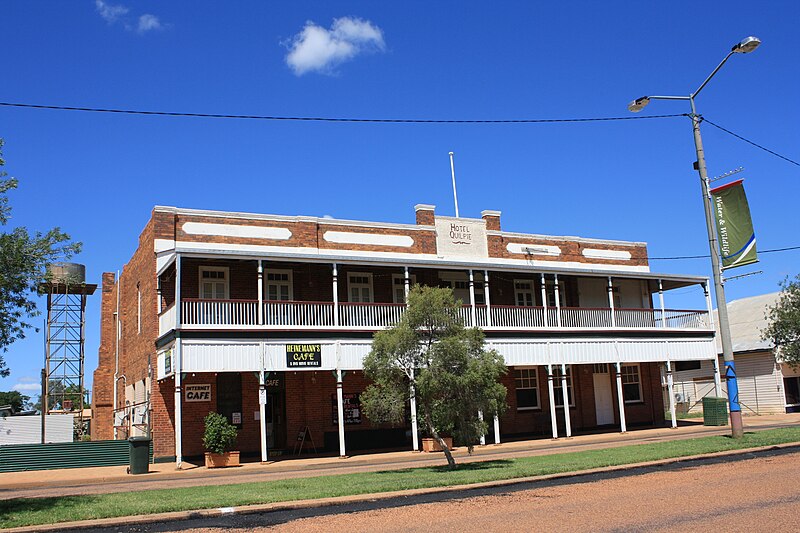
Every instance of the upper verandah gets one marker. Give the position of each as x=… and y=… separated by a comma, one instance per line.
x=457, y=241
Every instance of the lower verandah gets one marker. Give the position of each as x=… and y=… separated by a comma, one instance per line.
x=300, y=399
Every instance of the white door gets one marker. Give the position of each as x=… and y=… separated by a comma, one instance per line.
x=603, y=397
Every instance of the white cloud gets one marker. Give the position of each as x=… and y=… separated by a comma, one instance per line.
x=111, y=13
x=320, y=50
x=118, y=13
x=27, y=387
x=148, y=22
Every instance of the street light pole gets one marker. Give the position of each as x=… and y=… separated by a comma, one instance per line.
x=737, y=429
x=746, y=45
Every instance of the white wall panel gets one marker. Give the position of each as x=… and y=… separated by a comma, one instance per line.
x=221, y=357
x=353, y=353
x=28, y=429
x=246, y=356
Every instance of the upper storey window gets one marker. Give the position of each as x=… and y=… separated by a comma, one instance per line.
x=279, y=285
x=359, y=286
x=214, y=283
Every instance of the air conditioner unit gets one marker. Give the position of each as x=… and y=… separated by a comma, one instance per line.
x=680, y=397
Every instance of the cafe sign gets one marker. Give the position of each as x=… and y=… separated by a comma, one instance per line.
x=303, y=355
x=197, y=393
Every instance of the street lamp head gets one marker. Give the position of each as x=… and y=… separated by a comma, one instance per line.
x=638, y=104
x=746, y=45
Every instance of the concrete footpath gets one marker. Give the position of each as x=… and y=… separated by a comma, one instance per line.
x=114, y=479
x=75, y=481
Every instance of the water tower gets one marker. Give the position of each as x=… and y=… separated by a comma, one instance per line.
x=66, y=289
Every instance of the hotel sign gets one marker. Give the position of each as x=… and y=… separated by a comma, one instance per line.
x=303, y=355
x=462, y=237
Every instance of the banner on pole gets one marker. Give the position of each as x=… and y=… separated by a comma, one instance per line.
x=737, y=240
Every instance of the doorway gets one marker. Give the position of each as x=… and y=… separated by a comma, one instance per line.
x=603, y=396
x=275, y=411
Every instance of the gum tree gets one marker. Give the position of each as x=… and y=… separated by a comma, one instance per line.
x=784, y=323
x=430, y=354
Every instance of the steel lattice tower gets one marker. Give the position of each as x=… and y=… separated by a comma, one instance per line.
x=67, y=292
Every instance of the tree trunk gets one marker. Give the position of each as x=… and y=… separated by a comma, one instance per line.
x=451, y=463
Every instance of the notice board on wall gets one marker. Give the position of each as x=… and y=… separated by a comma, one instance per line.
x=352, y=408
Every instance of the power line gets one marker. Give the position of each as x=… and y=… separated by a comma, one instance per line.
x=335, y=119
x=729, y=132
x=774, y=250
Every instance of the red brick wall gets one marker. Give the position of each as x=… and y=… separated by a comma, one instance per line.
x=103, y=380
x=583, y=415
x=136, y=348
x=570, y=250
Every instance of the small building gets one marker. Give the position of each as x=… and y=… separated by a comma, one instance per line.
x=766, y=385
x=262, y=317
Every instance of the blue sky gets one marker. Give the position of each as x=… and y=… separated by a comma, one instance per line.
x=98, y=175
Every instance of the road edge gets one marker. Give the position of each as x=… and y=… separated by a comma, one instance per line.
x=360, y=498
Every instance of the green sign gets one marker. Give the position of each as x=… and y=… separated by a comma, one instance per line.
x=737, y=240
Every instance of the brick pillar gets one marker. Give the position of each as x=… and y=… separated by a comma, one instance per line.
x=492, y=219
x=425, y=216
x=103, y=382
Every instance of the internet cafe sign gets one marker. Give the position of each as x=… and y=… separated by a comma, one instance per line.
x=303, y=355
x=197, y=393
x=463, y=237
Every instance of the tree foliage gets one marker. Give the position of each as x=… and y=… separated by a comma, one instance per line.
x=15, y=399
x=784, y=323
x=58, y=393
x=23, y=257
x=431, y=355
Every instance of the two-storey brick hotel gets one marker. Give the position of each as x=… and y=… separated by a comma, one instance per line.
x=266, y=319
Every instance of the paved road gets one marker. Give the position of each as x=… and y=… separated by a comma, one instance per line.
x=754, y=493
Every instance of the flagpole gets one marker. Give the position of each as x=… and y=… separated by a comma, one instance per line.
x=453, y=173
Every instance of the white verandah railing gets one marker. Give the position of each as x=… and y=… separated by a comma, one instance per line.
x=234, y=313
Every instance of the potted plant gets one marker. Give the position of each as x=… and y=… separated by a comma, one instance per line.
x=430, y=444
x=218, y=438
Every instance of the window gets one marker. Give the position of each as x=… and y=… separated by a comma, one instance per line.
x=138, y=308
x=523, y=293
x=459, y=282
x=551, y=293
x=213, y=283
x=359, y=286
x=399, y=287
x=278, y=285
x=631, y=384
x=792, y=387
x=686, y=365
x=557, y=389
x=527, y=388
x=229, y=396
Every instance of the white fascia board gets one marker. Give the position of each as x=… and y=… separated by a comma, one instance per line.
x=162, y=245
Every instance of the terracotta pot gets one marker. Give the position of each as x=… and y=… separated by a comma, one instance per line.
x=430, y=444
x=216, y=460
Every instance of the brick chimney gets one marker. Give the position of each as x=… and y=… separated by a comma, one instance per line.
x=492, y=219
x=425, y=214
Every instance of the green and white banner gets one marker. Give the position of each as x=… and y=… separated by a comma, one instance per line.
x=737, y=240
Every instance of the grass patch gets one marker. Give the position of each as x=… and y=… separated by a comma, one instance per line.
x=36, y=511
